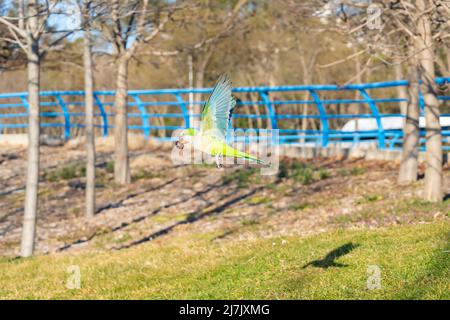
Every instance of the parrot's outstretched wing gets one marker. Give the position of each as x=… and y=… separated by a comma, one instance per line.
x=233, y=106
x=216, y=111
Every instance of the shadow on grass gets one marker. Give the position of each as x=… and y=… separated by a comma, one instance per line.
x=329, y=260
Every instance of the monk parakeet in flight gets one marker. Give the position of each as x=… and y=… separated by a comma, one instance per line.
x=215, y=116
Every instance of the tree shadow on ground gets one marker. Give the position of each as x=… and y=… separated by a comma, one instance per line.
x=329, y=260
x=120, y=202
x=153, y=212
x=157, y=210
x=116, y=205
x=191, y=218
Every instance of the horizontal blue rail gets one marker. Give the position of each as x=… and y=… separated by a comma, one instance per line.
x=157, y=112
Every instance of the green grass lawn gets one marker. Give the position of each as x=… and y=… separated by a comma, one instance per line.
x=414, y=263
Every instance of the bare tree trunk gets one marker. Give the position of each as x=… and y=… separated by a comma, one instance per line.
x=273, y=72
x=411, y=131
x=447, y=53
x=89, y=122
x=304, y=119
x=161, y=122
x=401, y=90
x=433, y=175
x=255, y=99
x=308, y=72
x=121, y=165
x=359, y=79
x=199, y=83
x=307, y=79
x=200, y=79
x=31, y=196
x=247, y=109
x=191, y=86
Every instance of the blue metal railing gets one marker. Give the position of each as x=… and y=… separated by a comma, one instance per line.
x=156, y=113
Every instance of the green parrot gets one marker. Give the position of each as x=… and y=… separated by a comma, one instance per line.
x=215, y=116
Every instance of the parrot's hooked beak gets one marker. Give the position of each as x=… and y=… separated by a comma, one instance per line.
x=183, y=139
x=179, y=144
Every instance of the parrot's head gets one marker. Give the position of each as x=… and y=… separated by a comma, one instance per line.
x=186, y=136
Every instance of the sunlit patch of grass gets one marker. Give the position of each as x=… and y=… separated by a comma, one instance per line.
x=407, y=210
x=249, y=222
x=109, y=166
x=323, y=173
x=412, y=261
x=257, y=200
x=121, y=238
x=169, y=217
x=299, y=206
x=205, y=165
x=368, y=198
x=343, y=172
x=301, y=172
x=271, y=186
x=363, y=215
x=303, y=175
x=242, y=177
x=143, y=174
x=68, y=172
x=438, y=266
x=356, y=171
x=424, y=205
x=75, y=211
x=420, y=207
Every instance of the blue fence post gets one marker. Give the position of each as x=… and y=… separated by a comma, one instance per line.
x=421, y=103
x=66, y=113
x=144, y=115
x=103, y=114
x=374, y=109
x=184, y=110
x=25, y=103
x=270, y=109
x=323, y=116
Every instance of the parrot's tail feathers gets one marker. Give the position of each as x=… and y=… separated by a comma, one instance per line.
x=255, y=159
x=262, y=162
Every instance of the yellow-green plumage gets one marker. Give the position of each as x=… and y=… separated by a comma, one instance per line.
x=214, y=146
x=214, y=123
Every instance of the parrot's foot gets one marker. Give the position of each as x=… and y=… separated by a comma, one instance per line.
x=219, y=162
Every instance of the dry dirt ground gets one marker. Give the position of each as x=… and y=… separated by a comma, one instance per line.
x=166, y=200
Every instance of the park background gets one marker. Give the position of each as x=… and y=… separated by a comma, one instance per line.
x=320, y=228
